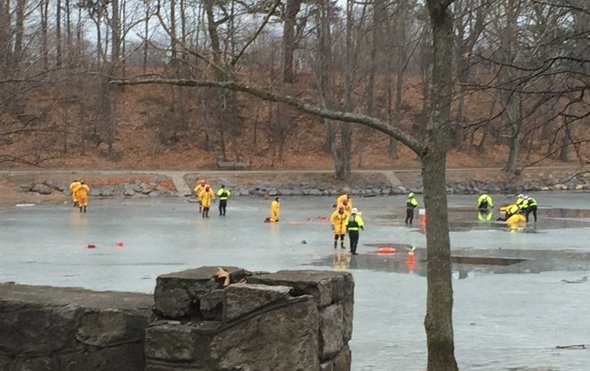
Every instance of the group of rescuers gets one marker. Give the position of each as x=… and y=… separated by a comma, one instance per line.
x=518, y=211
x=80, y=192
x=206, y=196
x=345, y=218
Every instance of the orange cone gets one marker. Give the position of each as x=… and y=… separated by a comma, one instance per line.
x=411, y=261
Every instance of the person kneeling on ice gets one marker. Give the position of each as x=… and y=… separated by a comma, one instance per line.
x=484, y=201
x=510, y=211
x=352, y=227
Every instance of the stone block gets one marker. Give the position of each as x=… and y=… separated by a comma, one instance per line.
x=282, y=338
x=67, y=329
x=177, y=294
x=326, y=287
x=109, y=327
x=243, y=298
x=343, y=360
x=331, y=331
x=172, y=341
x=211, y=305
x=347, y=316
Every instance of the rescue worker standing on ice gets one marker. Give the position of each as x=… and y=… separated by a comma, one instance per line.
x=198, y=189
x=207, y=197
x=344, y=200
x=75, y=184
x=275, y=208
x=519, y=200
x=223, y=194
x=352, y=227
x=484, y=201
x=339, y=220
x=82, y=192
x=531, y=207
x=411, y=204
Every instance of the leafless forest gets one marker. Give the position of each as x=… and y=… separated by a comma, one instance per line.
x=520, y=69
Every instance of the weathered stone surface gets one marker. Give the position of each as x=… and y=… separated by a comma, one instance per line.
x=177, y=294
x=331, y=331
x=343, y=360
x=326, y=287
x=211, y=305
x=50, y=328
x=172, y=341
x=347, y=316
x=243, y=298
x=155, y=365
x=108, y=327
x=284, y=338
x=35, y=328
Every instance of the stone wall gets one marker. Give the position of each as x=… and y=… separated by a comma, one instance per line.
x=70, y=329
x=288, y=320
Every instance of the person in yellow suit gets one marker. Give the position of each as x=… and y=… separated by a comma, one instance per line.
x=339, y=220
x=345, y=200
x=82, y=192
x=207, y=197
x=198, y=189
x=75, y=184
x=275, y=209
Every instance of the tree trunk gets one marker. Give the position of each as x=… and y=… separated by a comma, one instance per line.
x=439, y=308
x=58, y=57
x=566, y=141
x=44, y=8
x=515, y=117
x=116, y=36
x=173, y=30
x=19, y=32
x=146, y=35
x=293, y=7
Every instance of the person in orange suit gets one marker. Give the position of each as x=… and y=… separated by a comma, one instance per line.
x=82, y=192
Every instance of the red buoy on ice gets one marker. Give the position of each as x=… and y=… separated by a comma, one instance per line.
x=386, y=250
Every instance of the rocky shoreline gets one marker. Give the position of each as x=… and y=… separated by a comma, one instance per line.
x=363, y=184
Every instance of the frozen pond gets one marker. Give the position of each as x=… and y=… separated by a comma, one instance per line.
x=507, y=316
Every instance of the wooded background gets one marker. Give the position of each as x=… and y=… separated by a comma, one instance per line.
x=521, y=71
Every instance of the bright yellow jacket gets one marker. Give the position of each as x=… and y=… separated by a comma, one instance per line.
x=198, y=189
x=207, y=196
x=82, y=192
x=75, y=184
x=339, y=222
x=275, y=209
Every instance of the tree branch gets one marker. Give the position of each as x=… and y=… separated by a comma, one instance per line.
x=418, y=147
